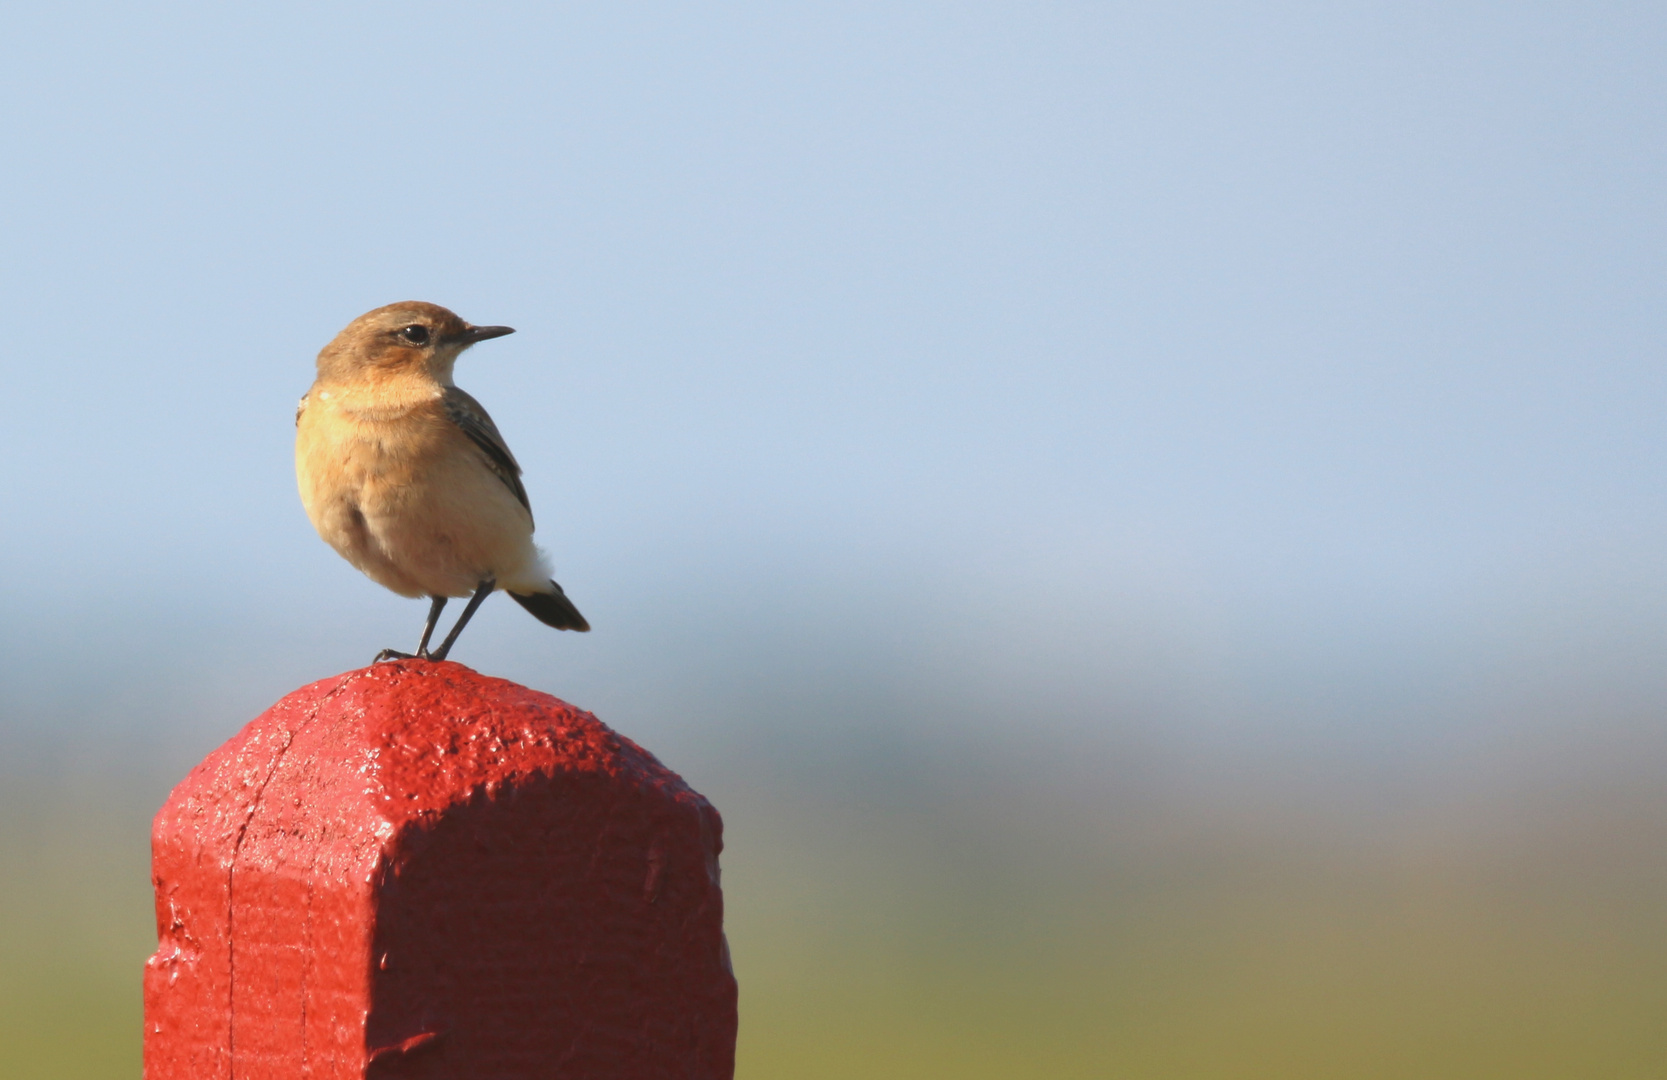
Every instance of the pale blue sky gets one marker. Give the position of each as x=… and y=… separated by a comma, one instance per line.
x=1211, y=357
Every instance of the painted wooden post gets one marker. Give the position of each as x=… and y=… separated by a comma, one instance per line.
x=413, y=870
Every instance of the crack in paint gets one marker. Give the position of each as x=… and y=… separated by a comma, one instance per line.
x=231, y=876
x=307, y=960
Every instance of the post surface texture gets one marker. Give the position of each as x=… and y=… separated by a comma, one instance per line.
x=414, y=870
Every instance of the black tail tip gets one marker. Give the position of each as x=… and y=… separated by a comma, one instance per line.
x=552, y=609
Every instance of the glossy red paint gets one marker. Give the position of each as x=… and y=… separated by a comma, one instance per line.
x=414, y=870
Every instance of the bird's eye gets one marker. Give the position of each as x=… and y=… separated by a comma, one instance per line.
x=416, y=335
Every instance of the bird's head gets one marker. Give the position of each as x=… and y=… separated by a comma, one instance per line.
x=409, y=337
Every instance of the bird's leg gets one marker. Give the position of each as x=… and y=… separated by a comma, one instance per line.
x=437, y=605
x=481, y=593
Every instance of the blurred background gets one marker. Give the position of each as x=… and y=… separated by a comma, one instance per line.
x=1147, y=520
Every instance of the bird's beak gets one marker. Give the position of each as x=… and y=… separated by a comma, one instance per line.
x=469, y=335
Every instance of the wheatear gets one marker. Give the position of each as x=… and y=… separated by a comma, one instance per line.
x=407, y=477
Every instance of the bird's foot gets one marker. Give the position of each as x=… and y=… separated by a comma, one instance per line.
x=395, y=654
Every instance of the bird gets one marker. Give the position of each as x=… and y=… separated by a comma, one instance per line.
x=408, y=478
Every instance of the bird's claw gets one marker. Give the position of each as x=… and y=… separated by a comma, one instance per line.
x=395, y=654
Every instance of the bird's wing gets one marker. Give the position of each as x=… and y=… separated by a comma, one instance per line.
x=471, y=417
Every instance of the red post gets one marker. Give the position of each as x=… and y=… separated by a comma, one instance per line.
x=414, y=870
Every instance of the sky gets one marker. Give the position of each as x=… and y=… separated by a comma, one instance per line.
x=1283, y=368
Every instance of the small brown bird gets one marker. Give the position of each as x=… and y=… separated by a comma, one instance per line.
x=408, y=479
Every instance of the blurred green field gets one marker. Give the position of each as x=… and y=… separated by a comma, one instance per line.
x=75, y=926
x=1199, y=960
x=975, y=937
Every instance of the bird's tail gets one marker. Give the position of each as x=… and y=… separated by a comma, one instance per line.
x=552, y=608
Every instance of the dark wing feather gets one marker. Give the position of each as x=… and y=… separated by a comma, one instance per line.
x=468, y=415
